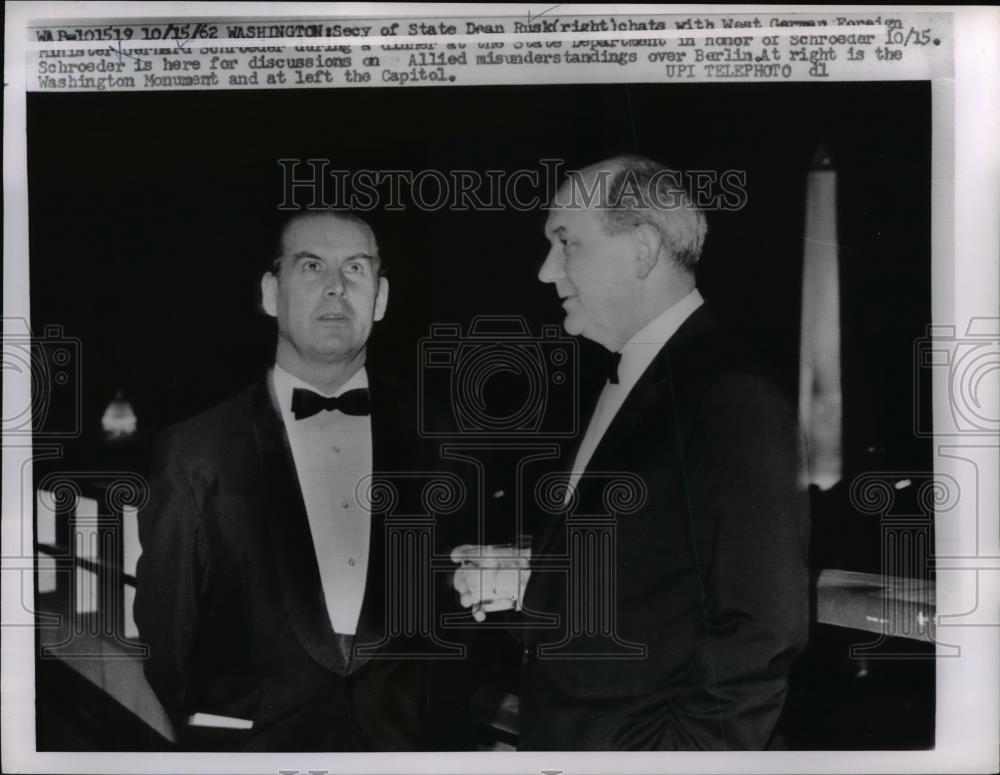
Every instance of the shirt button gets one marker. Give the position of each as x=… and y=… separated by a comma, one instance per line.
x=529, y=652
x=337, y=450
x=345, y=505
x=351, y=562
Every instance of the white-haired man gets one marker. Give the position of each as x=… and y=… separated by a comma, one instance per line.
x=704, y=584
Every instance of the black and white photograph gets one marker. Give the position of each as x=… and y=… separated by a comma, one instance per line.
x=464, y=419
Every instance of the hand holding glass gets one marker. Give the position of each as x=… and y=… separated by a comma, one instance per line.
x=491, y=578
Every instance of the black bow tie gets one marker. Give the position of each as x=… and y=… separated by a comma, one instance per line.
x=305, y=403
x=608, y=365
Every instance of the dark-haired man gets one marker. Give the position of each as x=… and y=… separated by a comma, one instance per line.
x=677, y=629
x=262, y=566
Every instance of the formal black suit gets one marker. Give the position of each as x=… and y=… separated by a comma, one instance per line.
x=711, y=582
x=229, y=597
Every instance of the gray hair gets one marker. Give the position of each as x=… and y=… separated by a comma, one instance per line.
x=642, y=191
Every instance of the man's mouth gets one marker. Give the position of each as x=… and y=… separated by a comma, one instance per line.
x=333, y=317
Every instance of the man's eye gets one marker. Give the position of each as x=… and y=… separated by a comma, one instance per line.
x=311, y=266
x=355, y=267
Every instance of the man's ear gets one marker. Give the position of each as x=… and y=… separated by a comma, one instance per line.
x=647, y=241
x=269, y=294
x=381, y=298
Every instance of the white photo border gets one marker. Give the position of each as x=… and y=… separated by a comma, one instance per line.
x=965, y=190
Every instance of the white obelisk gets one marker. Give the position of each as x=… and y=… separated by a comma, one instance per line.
x=820, y=397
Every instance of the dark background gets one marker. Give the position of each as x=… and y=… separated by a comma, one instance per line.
x=153, y=214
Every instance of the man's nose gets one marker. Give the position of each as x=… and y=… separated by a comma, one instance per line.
x=335, y=285
x=551, y=269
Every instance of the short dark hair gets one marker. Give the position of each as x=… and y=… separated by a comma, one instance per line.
x=274, y=266
x=640, y=191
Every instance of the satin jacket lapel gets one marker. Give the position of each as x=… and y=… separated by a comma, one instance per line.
x=655, y=387
x=652, y=387
x=641, y=400
x=291, y=541
x=387, y=435
x=542, y=542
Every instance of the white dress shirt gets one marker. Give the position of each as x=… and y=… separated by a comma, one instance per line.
x=637, y=353
x=332, y=453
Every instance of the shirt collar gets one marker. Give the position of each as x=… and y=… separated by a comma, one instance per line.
x=285, y=383
x=639, y=351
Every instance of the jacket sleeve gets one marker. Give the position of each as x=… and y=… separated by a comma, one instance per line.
x=171, y=574
x=749, y=523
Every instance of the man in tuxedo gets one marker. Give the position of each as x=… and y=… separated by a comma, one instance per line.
x=678, y=623
x=260, y=589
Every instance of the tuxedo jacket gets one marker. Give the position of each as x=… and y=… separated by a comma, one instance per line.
x=229, y=598
x=704, y=584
